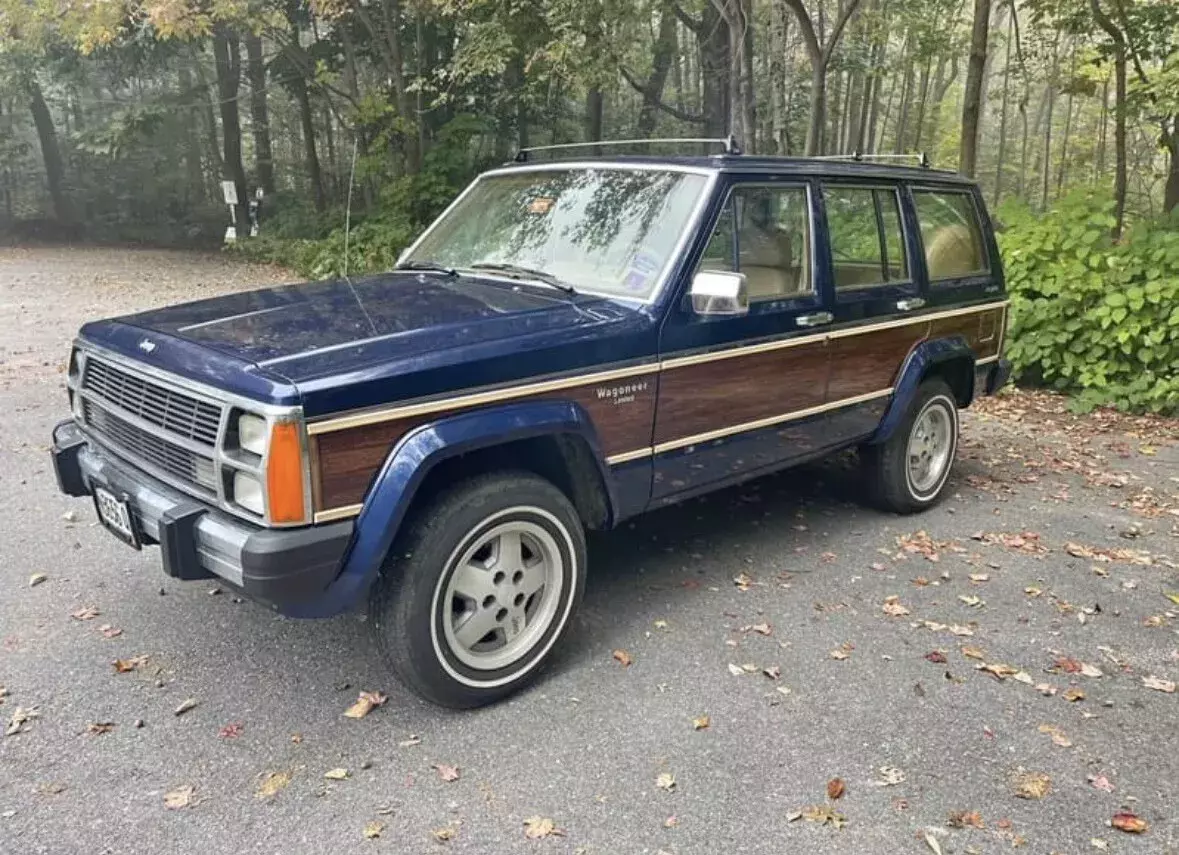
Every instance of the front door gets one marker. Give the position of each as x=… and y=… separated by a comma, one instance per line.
x=745, y=394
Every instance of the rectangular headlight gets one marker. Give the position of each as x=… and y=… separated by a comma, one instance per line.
x=251, y=434
x=247, y=492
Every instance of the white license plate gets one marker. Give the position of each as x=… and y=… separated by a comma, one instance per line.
x=115, y=514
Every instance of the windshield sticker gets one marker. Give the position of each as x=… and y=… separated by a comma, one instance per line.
x=541, y=205
x=644, y=267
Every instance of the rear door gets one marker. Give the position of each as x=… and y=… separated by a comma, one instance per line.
x=739, y=395
x=871, y=245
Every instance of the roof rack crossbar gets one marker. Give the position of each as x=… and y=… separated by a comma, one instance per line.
x=729, y=145
x=922, y=158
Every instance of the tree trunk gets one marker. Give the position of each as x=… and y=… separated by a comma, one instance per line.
x=228, y=59
x=663, y=52
x=922, y=99
x=192, y=143
x=1102, y=133
x=715, y=69
x=1068, y=125
x=1120, y=178
x=999, y=160
x=50, y=153
x=311, y=155
x=259, y=114
x=906, y=97
x=1171, y=191
x=594, y=111
x=777, y=71
x=1046, y=171
x=972, y=96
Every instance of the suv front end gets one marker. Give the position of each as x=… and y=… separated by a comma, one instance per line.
x=221, y=483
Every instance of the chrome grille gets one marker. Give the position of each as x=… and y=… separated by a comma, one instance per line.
x=194, y=469
x=173, y=411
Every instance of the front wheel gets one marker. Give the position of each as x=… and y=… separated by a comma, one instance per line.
x=909, y=470
x=480, y=588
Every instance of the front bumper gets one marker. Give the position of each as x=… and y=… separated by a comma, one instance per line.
x=286, y=568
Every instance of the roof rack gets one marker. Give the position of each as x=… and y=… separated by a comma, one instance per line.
x=728, y=144
x=922, y=158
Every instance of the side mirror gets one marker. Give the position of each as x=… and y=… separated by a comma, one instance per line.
x=716, y=292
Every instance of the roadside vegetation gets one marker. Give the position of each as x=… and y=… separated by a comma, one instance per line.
x=120, y=122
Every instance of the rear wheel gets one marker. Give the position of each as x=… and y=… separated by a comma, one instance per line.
x=480, y=588
x=908, y=471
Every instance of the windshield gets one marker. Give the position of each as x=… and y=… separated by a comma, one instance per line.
x=603, y=230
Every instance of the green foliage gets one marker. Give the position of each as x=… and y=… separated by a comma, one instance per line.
x=1090, y=316
x=297, y=237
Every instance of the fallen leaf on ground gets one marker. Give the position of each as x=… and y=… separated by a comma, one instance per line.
x=893, y=607
x=743, y=581
x=540, y=827
x=100, y=727
x=85, y=613
x=1173, y=597
x=447, y=772
x=763, y=629
x=842, y=651
x=890, y=776
x=1159, y=684
x=736, y=670
x=1032, y=785
x=824, y=815
x=835, y=788
x=971, y=600
x=1057, y=735
x=936, y=656
x=185, y=705
x=1098, y=843
x=660, y=624
x=980, y=577
x=772, y=671
x=623, y=658
x=20, y=717
x=272, y=784
x=665, y=781
x=109, y=631
x=972, y=652
x=997, y=669
x=701, y=722
x=372, y=829
x=964, y=818
x=338, y=774
x=1074, y=694
x=410, y=742
x=230, y=731
x=124, y=666
x=181, y=797
x=671, y=822
x=36, y=579
x=366, y=702
x=1091, y=670
x=1101, y=782
x=932, y=843
x=1128, y=822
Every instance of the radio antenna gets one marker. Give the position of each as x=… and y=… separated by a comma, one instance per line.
x=348, y=234
x=348, y=207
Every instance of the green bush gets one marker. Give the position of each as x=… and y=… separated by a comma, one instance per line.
x=1089, y=316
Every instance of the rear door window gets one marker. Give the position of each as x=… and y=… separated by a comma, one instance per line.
x=950, y=234
x=867, y=241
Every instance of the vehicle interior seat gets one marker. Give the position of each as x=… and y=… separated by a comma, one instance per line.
x=767, y=260
x=952, y=253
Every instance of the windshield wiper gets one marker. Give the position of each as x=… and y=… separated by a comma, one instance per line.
x=450, y=272
x=516, y=271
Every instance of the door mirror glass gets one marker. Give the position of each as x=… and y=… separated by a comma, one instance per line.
x=718, y=292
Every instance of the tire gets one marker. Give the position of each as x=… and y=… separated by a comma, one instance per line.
x=448, y=577
x=931, y=425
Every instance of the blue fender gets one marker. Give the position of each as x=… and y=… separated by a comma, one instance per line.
x=925, y=356
x=391, y=493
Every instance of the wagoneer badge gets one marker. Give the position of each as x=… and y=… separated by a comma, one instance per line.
x=147, y=345
x=623, y=394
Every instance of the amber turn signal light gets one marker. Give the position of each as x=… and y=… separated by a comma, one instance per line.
x=284, y=475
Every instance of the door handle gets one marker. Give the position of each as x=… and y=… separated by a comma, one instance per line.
x=815, y=320
x=910, y=303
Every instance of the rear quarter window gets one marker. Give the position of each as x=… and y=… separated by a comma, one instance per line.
x=951, y=234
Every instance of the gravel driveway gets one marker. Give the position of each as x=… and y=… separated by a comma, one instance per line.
x=999, y=671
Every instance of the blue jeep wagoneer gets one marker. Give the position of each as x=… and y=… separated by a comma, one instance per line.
x=571, y=343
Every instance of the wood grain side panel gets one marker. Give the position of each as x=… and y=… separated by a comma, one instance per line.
x=695, y=399
x=622, y=413
x=870, y=361
x=980, y=330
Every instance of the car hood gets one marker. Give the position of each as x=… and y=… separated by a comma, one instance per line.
x=301, y=331
x=324, y=336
